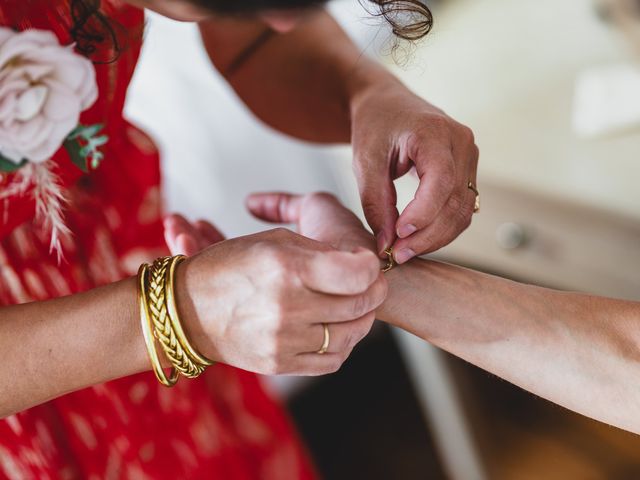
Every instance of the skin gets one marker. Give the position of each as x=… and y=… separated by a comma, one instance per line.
x=579, y=351
x=294, y=285
x=298, y=284
x=317, y=86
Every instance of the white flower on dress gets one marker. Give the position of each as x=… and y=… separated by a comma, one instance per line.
x=44, y=87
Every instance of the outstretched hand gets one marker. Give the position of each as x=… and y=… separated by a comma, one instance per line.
x=319, y=216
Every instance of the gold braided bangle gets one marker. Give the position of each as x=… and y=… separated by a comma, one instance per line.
x=164, y=331
x=147, y=330
x=196, y=357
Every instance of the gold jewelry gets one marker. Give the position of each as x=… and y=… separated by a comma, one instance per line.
x=163, y=329
x=160, y=321
x=473, y=188
x=325, y=342
x=390, y=260
x=175, y=319
x=147, y=331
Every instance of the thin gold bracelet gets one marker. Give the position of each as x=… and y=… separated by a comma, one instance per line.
x=163, y=328
x=390, y=260
x=147, y=330
x=175, y=318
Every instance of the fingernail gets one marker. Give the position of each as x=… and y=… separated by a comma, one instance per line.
x=381, y=240
x=404, y=255
x=406, y=230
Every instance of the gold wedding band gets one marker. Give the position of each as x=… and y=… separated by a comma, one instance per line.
x=325, y=342
x=472, y=187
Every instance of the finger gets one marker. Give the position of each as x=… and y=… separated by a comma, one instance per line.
x=342, y=336
x=436, y=170
x=317, y=308
x=210, y=234
x=176, y=226
x=453, y=219
x=170, y=240
x=342, y=308
x=173, y=226
x=186, y=244
x=378, y=197
x=313, y=364
x=340, y=273
x=275, y=207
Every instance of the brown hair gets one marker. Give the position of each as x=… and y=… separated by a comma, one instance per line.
x=409, y=19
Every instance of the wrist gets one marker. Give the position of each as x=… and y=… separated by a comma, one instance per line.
x=186, y=298
x=368, y=81
x=389, y=310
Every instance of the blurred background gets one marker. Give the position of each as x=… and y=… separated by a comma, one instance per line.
x=552, y=91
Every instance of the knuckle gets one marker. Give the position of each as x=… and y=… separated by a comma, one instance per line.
x=359, y=335
x=438, y=122
x=280, y=232
x=335, y=365
x=278, y=235
x=359, y=306
x=367, y=325
x=467, y=135
x=348, y=341
x=476, y=154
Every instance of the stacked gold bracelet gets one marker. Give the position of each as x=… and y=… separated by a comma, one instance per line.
x=161, y=322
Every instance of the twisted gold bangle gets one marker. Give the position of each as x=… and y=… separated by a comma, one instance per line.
x=147, y=330
x=174, y=318
x=163, y=326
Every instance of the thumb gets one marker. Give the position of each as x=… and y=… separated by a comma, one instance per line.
x=275, y=207
x=378, y=196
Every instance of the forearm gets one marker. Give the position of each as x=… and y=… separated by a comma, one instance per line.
x=301, y=83
x=576, y=350
x=55, y=347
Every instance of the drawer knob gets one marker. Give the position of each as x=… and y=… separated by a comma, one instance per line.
x=511, y=236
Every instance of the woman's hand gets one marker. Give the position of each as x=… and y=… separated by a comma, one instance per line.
x=259, y=302
x=394, y=130
x=319, y=216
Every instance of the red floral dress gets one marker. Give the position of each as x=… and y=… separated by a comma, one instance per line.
x=221, y=426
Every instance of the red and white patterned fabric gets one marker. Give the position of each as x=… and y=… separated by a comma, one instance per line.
x=221, y=426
